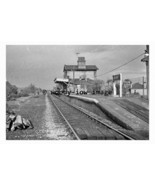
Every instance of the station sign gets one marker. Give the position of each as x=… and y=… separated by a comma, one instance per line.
x=116, y=77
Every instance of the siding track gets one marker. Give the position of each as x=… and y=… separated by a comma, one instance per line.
x=134, y=109
x=85, y=125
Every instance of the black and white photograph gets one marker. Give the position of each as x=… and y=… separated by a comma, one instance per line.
x=77, y=92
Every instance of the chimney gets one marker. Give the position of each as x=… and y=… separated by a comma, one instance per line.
x=81, y=63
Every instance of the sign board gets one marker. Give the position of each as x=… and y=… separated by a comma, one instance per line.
x=116, y=77
x=117, y=90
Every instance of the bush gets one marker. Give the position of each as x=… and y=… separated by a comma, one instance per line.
x=23, y=94
x=11, y=91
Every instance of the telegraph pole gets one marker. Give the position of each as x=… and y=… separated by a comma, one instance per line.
x=143, y=85
x=146, y=60
x=77, y=54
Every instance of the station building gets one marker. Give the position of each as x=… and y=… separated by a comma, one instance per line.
x=80, y=71
x=79, y=76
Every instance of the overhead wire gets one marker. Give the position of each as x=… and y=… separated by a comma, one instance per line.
x=118, y=67
x=121, y=65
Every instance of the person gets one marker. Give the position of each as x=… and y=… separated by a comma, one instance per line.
x=68, y=93
x=129, y=90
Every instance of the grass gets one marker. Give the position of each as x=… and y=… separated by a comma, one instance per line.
x=32, y=109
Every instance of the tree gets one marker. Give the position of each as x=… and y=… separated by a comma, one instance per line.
x=11, y=90
x=110, y=85
x=109, y=81
x=97, y=85
x=127, y=86
x=30, y=89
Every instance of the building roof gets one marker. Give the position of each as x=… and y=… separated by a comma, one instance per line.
x=61, y=80
x=75, y=68
x=137, y=86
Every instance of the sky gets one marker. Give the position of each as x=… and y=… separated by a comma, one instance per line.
x=41, y=64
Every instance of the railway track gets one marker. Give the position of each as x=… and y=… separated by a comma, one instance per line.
x=85, y=125
x=134, y=109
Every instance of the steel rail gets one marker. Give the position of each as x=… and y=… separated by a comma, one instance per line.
x=92, y=117
x=141, y=115
x=105, y=124
x=72, y=129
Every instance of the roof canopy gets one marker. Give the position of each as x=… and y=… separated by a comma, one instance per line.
x=75, y=68
x=61, y=80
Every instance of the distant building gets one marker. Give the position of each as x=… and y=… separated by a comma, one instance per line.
x=80, y=71
x=139, y=88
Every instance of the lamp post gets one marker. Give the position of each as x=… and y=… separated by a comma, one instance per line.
x=146, y=60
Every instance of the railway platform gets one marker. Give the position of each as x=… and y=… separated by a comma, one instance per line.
x=130, y=113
